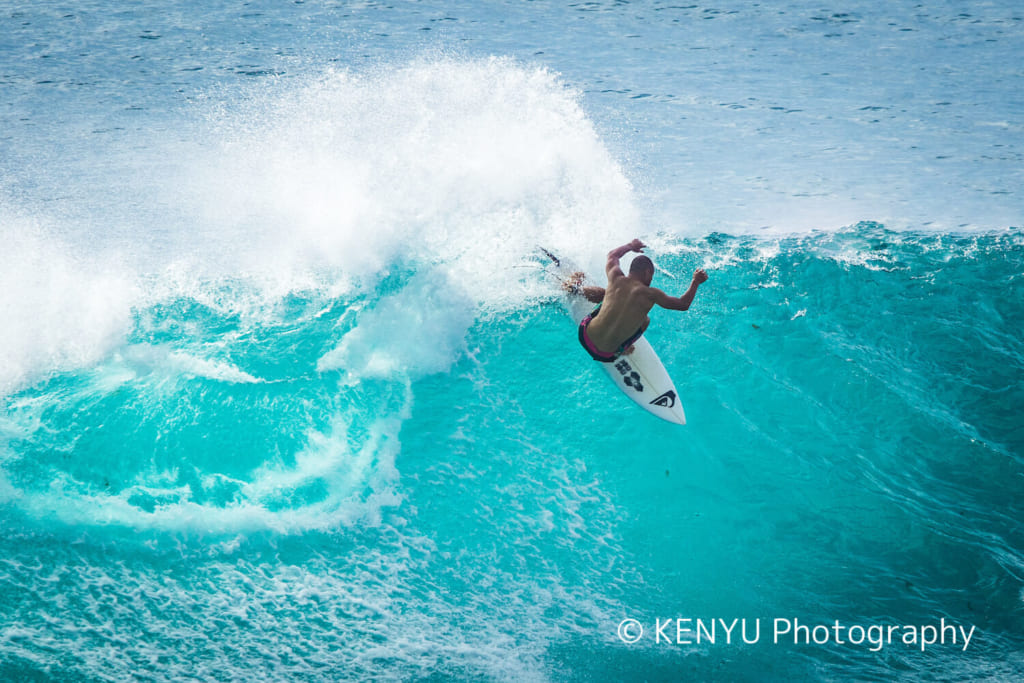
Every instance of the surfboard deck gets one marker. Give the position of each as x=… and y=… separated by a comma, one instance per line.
x=640, y=375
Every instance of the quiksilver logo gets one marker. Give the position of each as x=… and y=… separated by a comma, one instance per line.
x=666, y=400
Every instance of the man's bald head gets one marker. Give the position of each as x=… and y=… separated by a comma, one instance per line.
x=642, y=268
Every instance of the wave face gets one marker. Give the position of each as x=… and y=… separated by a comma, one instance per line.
x=297, y=401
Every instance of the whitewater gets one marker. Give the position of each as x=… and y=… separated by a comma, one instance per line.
x=287, y=394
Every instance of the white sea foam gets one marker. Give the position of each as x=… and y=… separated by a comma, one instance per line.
x=356, y=482
x=469, y=163
x=143, y=359
x=233, y=618
x=61, y=309
x=416, y=331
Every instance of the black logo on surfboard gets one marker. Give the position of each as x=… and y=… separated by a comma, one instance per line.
x=630, y=377
x=666, y=400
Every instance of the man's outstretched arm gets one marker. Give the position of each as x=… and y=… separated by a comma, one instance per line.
x=594, y=295
x=681, y=303
x=611, y=266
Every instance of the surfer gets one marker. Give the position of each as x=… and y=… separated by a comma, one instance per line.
x=621, y=317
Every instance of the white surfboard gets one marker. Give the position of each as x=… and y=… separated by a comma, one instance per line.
x=640, y=375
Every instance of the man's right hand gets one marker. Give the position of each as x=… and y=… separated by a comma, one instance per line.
x=699, y=276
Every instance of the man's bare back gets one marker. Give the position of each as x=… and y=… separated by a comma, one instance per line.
x=622, y=316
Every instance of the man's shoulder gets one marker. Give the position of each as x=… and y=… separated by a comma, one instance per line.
x=654, y=295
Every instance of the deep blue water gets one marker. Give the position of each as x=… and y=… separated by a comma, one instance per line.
x=286, y=395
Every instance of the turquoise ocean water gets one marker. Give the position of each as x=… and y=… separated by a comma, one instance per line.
x=285, y=393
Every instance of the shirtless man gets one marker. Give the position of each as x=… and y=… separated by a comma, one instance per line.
x=621, y=315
